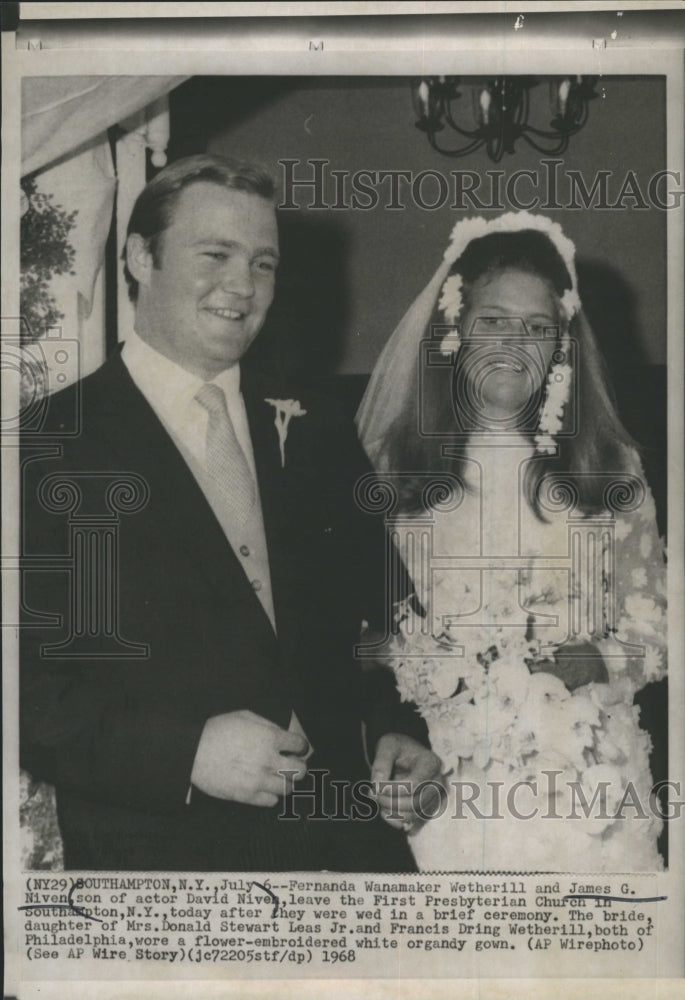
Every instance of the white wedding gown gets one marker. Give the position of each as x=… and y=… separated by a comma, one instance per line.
x=502, y=588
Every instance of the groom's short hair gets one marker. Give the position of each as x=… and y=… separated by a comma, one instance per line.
x=154, y=209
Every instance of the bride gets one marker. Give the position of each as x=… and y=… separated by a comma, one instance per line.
x=530, y=535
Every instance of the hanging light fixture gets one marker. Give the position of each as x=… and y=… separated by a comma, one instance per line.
x=499, y=110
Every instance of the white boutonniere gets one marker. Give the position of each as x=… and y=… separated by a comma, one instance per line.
x=285, y=409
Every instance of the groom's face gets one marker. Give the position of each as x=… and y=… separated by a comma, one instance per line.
x=204, y=298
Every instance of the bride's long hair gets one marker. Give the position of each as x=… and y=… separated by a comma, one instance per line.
x=592, y=439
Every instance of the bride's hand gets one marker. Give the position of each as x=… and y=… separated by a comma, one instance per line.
x=407, y=778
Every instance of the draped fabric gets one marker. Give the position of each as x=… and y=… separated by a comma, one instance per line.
x=65, y=147
x=85, y=182
x=62, y=115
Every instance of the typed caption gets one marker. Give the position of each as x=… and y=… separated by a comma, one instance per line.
x=306, y=924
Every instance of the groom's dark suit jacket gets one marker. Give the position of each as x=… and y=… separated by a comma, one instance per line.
x=117, y=736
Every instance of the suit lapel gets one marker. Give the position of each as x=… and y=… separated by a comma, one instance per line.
x=260, y=417
x=289, y=498
x=261, y=421
x=136, y=435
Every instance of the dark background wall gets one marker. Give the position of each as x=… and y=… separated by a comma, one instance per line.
x=349, y=275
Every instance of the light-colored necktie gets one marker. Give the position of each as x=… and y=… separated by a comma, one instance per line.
x=236, y=490
x=225, y=459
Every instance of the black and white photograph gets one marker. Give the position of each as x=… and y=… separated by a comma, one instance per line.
x=343, y=456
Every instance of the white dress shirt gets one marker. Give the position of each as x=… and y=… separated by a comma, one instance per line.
x=170, y=390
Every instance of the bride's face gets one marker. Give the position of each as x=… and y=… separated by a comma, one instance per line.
x=509, y=332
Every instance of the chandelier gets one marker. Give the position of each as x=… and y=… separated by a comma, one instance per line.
x=499, y=112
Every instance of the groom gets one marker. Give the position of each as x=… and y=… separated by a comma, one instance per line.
x=239, y=584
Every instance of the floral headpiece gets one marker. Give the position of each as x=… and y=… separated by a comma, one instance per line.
x=468, y=230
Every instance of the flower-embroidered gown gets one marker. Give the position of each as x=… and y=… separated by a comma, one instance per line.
x=509, y=602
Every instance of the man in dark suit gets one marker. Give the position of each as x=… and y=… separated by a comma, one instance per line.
x=213, y=652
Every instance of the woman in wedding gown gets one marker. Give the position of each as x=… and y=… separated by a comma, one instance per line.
x=524, y=519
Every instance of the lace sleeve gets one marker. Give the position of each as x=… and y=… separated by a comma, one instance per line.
x=639, y=591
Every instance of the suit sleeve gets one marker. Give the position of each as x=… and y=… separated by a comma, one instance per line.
x=83, y=731
x=86, y=723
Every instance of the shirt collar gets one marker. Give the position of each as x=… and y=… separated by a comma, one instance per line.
x=167, y=385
